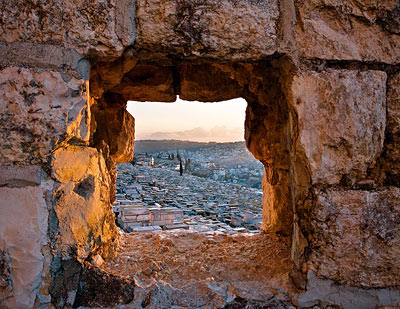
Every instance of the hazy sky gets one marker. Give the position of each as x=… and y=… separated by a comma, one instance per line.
x=189, y=120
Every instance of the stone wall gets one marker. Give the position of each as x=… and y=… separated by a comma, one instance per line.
x=321, y=79
x=55, y=189
x=24, y=243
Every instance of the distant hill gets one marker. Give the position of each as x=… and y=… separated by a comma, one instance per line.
x=150, y=146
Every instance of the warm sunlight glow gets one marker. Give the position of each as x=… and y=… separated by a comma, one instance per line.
x=189, y=120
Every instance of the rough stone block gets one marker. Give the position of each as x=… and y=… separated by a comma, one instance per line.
x=329, y=293
x=37, y=110
x=356, y=236
x=342, y=121
x=351, y=30
x=219, y=29
x=20, y=176
x=100, y=27
x=147, y=83
x=277, y=214
x=207, y=83
x=23, y=232
x=38, y=55
x=85, y=219
x=74, y=163
x=116, y=127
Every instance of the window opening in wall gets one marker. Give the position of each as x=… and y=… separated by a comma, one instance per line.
x=205, y=251
x=191, y=170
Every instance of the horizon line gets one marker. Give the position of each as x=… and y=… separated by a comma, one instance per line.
x=181, y=140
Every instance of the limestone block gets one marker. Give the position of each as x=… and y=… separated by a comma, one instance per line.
x=356, y=236
x=329, y=293
x=38, y=55
x=20, y=176
x=96, y=27
x=342, y=120
x=23, y=232
x=38, y=109
x=218, y=29
x=349, y=30
x=82, y=201
x=74, y=163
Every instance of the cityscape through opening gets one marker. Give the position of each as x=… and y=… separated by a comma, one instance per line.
x=191, y=170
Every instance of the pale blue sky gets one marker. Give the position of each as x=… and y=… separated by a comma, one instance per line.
x=189, y=120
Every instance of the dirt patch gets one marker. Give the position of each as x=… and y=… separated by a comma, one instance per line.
x=192, y=269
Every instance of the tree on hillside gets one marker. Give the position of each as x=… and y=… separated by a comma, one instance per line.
x=180, y=167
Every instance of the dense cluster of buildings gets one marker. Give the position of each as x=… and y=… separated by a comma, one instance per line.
x=223, y=162
x=154, y=198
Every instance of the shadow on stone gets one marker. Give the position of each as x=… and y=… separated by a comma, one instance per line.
x=86, y=187
x=99, y=289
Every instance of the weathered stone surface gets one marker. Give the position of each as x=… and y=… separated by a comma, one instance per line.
x=207, y=83
x=125, y=25
x=116, y=127
x=356, y=237
x=393, y=130
x=267, y=136
x=388, y=168
x=20, y=176
x=393, y=105
x=105, y=76
x=44, y=56
x=74, y=163
x=37, y=110
x=389, y=16
x=65, y=282
x=6, y=288
x=101, y=28
x=219, y=29
x=277, y=214
x=328, y=127
x=23, y=233
x=193, y=270
x=82, y=202
x=328, y=293
x=342, y=120
x=95, y=282
x=147, y=83
x=365, y=30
